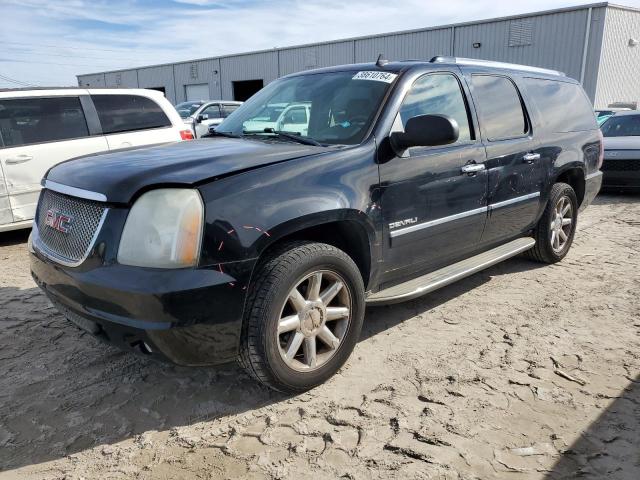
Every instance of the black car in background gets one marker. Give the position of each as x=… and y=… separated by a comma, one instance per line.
x=621, y=167
x=264, y=245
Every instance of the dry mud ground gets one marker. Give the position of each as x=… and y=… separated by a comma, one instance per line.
x=522, y=371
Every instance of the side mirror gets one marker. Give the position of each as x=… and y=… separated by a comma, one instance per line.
x=201, y=117
x=426, y=131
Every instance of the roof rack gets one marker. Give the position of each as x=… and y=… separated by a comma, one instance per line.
x=490, y=63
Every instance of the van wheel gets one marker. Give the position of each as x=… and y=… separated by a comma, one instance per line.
x=557, y=226
x=303, y=317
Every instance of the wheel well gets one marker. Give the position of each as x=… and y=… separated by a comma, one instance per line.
x=575, y=178
x=347, y=235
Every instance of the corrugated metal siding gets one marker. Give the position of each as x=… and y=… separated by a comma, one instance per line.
x=154, y=77
x=203, y=71
x=593, y=52
x=405, y=46
x=298, y=59
x=247, y=67
x=96, y=80
x=619, y=72
x=556, y=42
x=123, y=79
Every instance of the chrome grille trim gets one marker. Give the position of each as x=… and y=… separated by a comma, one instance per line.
x=74, y=192
x=73, y=248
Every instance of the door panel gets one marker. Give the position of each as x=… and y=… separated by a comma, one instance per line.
x=38, y=133
x=5, y=206
x=140, y=138
x=214, y=117
x=514, y=163
x=433, y=212
x=25, y=166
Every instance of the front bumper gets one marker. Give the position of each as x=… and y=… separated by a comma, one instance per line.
x=622, y=174
x=186, y=316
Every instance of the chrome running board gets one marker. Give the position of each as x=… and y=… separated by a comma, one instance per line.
x=452, y=273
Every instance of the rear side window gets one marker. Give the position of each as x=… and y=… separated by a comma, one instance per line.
x=127, y=113
x=564, y=106
x=437, y=93
x=229, y=109
x=499, y=107
x=25, y=121
x=212, y=111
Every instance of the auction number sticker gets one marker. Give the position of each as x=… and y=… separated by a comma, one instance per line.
x=376, y=76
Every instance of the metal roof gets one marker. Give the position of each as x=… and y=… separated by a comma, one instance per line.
x=382, y=34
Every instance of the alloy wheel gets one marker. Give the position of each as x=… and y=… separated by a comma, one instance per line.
x=561, y=224
x=314, y=320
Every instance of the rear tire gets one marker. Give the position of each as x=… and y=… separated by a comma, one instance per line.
x=303, y=316
x=557, y=226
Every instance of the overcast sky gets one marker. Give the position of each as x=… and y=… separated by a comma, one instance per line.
x=48, y=42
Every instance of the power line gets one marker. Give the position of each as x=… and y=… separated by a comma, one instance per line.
x=123, y=50
x=46, y=54
x=17, y=82
x=17, y=60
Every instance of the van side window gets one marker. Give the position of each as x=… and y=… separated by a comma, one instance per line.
x=499, y=107
x=437, y=93
x=25, y=121
x=213, y=111
x=563, y=106
x=229, y=109
x=127, y=113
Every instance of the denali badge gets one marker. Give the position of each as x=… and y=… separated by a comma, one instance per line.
x=58, y=221
x=402, y=223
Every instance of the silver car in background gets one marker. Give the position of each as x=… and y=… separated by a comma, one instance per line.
x=621, y=167
x=202, y=114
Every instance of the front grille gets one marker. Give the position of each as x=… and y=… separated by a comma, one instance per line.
x=626, y=165
x=84, y=219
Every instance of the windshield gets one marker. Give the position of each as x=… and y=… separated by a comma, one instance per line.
x=329, y=108
x=186, y=109
x=622, y=126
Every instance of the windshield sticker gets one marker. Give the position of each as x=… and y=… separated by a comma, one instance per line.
x=376, y=76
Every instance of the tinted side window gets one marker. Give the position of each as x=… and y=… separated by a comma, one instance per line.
x=229, y=109
x=126, y=113
x=213, y=111
x=564, y=106
x=499, y=107
x=25, y=121
x=437, y=94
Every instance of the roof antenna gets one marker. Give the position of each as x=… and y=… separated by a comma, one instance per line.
x=381, y=62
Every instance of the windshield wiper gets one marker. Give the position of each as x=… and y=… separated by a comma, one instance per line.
x=215, y=133
x=287, y=135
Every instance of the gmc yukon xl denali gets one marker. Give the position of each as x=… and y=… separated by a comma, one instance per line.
x=265, y=245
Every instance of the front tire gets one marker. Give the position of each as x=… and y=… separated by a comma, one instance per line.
x=557, y=226
x=303, y=317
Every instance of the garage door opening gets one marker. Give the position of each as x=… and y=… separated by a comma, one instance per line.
x=197, y=92
x=245, y=89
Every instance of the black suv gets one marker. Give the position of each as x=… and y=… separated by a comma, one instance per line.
x=263, y=243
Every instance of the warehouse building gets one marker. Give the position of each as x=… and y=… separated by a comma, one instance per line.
x=599, y=44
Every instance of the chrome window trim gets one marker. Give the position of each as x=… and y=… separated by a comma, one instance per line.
x=74, y=192
x=42, y=248
x=457, y=216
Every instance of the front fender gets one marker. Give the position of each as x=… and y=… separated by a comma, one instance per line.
x=248, y=212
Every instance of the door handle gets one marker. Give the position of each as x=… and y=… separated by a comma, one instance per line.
x=531, y=157
x=472, y=168
x=19, y=159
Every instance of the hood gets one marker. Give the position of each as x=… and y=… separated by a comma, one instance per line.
x=119, y=175
x=622, y=143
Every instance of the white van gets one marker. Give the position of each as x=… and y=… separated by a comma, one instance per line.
x=41, y=128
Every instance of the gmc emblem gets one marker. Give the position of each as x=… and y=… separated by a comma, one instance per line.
x=58, y=221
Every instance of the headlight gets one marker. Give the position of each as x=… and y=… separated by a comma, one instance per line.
x=163, y=230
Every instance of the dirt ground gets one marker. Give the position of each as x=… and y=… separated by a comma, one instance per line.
x=522, y=371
